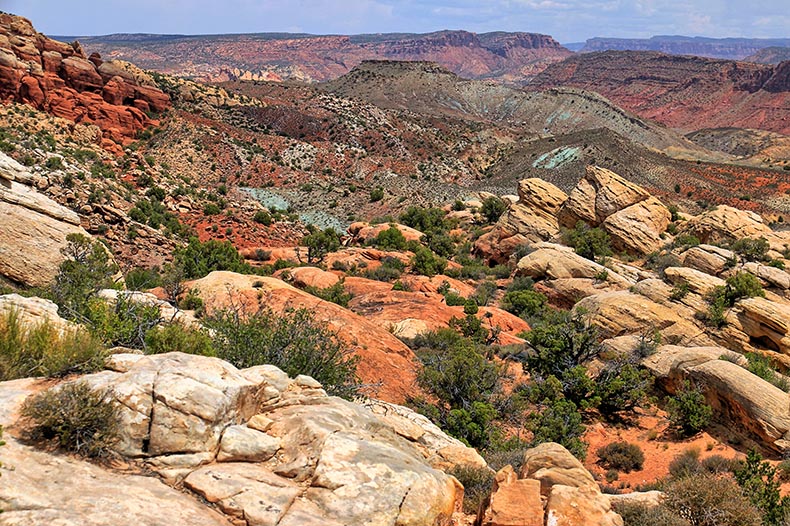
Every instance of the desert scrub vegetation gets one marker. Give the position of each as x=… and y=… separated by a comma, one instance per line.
x=737, y=286
x=176, y=337
x=336, y=293
x=76, y=417
x=689, y=412
x=590, y=243
x=621, y=456
x=43, y=349
x=294, y=341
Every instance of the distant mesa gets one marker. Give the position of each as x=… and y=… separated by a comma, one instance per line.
x=683, y=92
x=728, y=48
x=505, y=57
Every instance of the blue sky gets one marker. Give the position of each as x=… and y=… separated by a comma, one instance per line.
x=566, y=20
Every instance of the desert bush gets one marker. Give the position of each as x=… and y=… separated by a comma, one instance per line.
x=737, y=286
x=45, y=350
x=559, y=421
x=637, y=514
x=484, y=293
x=197, y=259
x=761, y=366
x=561, y=341
x=620, y=387
x=477, y=483
x=427, y=263
x=706, y=500
x=79, y=418
x=86, y=270
x=176, y=337
x=335, y=294
x=389, y=270
x=492, y=209
x=591, y=243
x=524, y=303
x=319, y=243
x=376, y=194
x=294, y=341
x=689, y=413
x=685, y=241
x=686, y=464
x=390, y=239
x=263, y=217
x=621, y=456
x=752, y=249
x=140, y=278
x=122, y=322
x=426, y=220
x=759, y=483
x=454, y=300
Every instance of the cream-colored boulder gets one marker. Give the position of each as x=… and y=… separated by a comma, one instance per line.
x=598, y=195
x=709, y=259
x=638, y=228
x=552, y=261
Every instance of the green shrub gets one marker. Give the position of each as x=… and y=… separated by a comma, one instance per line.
x=197, y=259
x=740, y=285
x=122, y=322
x=335, y=294
x=679, y=291
x=686, y=464
x=426, y=220
x=752, y=249
x=638, y=514
x=454, y=300
x=760, y=485
x=492, y=209
x=211, y=209
x=621, y=456
x=192, y=301
x=176, y=337
x=140, y=278
x=441, y=244
x=390, y=239
x=319, y=243
x=620, y=387
x=80, y=419
x=761, y=366
x=520, y=283
x=484, y=292
x=560, y=342
x=477, y=483
x=685, y=241
x=559, y=421
x=689, y=413
x=294, y=341
x=427, y=263
x=45, y=350
x=86, y=270
x=263, y=217
x=390, y=269
x=524, y=303
x=591, y=243
x=376, y=194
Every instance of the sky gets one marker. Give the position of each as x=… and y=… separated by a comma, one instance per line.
x=565, y=20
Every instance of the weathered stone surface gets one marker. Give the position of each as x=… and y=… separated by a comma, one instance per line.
x=551, y=464
x=771, y=276
x=311, y=277
x=697, y=282
x=242, y=443
x=600, y=194
x=709, y=259
x=33, y=310
x=338, y=462
x=572, y=506
x=637, y=228
x=623, y=312
x=724, y=224
x=764, y=321
x=532, y=218
x=513, y=501
x=552, y=261
x=59, y=78
x=34, y=228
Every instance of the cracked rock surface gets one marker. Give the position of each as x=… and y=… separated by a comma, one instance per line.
x=245, y=446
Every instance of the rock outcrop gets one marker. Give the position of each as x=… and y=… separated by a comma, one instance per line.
x=630, y=215
x=553, y=487
x=530, y=219
x=34, y=227
x=739, y=397
x=59, y=78
x=263, y=448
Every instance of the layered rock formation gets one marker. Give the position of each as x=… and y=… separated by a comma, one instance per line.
x=510, y=57
x=264, y=449
x=34, y=227
x=683, y=92
x=60, y=79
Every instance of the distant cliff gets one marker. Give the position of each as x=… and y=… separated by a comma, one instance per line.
x=729, y=48
x=507, y=57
